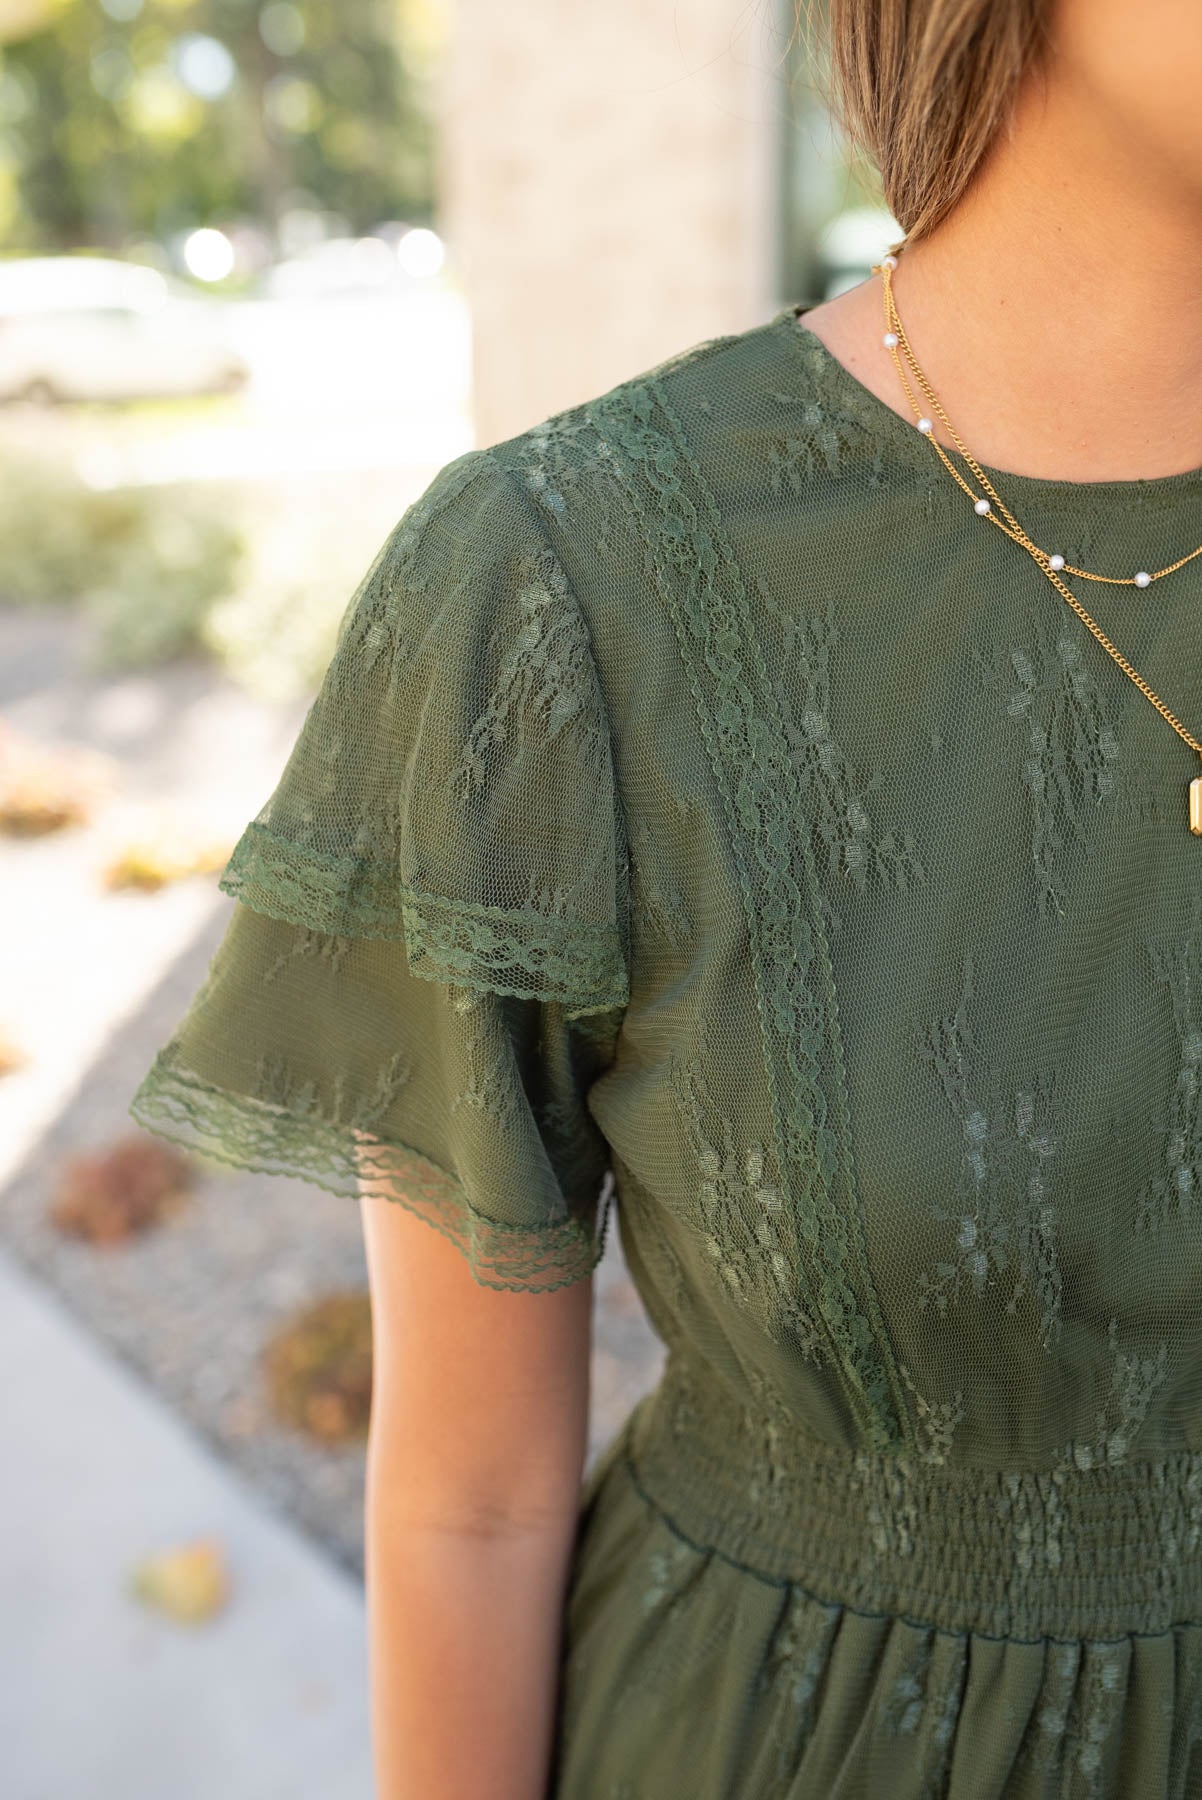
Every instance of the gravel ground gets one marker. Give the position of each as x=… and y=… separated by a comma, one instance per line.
x=191, y=1303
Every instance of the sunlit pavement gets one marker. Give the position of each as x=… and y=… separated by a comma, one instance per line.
x=77, y=961
x=101, y=1697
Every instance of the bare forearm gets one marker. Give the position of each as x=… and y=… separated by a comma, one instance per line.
x=475, y=1455
x=465, y=1627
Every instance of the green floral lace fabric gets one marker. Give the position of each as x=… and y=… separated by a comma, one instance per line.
x=708, y=820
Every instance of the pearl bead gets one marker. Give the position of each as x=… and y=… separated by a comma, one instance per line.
x=889, y=261
x=890, y=340
x=925, y=425
x=1143, y=578
x=982, y=506
x=1055, y=561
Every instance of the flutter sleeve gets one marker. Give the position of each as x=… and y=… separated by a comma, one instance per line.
x=427, y=967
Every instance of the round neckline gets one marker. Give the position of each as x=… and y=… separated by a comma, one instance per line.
x=857, y=401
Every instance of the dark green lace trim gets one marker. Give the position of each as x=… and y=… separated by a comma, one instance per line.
x=695, y=568
x=489, y=948
x=250, y=1133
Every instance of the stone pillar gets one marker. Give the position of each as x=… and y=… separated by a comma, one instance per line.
x=609, y=188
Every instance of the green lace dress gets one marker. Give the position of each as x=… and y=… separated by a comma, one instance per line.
x=707, y=819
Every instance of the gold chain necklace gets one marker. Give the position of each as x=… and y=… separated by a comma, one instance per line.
x=1052, y=563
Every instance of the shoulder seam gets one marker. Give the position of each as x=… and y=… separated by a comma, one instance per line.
x=431, y=503
x=687, y=358
x=544, y=537
x=538, y=525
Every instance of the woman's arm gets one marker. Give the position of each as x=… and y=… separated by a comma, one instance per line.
x=475, y=1458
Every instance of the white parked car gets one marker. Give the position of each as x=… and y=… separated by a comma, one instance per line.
x=341, y=269
x=95, y=328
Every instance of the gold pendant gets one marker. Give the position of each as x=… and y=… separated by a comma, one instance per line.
x=1195, y=805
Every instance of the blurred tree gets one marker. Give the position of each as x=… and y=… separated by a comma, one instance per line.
x=122, y=119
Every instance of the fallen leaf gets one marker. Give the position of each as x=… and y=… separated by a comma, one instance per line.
x=189, y=1582
x=110, y=1195
x=12, y=1057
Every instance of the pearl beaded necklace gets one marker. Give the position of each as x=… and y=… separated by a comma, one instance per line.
x=1051, y=562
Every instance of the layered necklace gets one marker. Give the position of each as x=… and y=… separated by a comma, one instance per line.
x=1051, y=562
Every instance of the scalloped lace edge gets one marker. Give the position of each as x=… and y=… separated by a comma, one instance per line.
x=492, y=949
x=248, y=1133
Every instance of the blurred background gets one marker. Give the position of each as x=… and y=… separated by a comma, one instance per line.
x=266, y=265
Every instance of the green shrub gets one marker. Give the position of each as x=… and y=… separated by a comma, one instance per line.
x=255, y=575
x=146, y=563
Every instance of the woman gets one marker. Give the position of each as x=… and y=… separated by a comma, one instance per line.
x=708, y=787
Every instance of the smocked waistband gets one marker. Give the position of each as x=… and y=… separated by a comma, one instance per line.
x=1022, y=1554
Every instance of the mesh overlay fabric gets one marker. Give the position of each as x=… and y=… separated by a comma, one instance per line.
x=708, y=818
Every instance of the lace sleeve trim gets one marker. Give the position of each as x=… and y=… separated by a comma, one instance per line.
x=252, y=1133
x=492, y=949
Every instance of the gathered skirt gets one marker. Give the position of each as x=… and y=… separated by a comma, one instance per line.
x=690, y=1671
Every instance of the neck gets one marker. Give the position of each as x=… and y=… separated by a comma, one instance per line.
x=1057, y=311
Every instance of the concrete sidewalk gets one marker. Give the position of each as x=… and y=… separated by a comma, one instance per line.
x=104, y=1699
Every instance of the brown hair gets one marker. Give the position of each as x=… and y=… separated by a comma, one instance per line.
x=922, y=87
